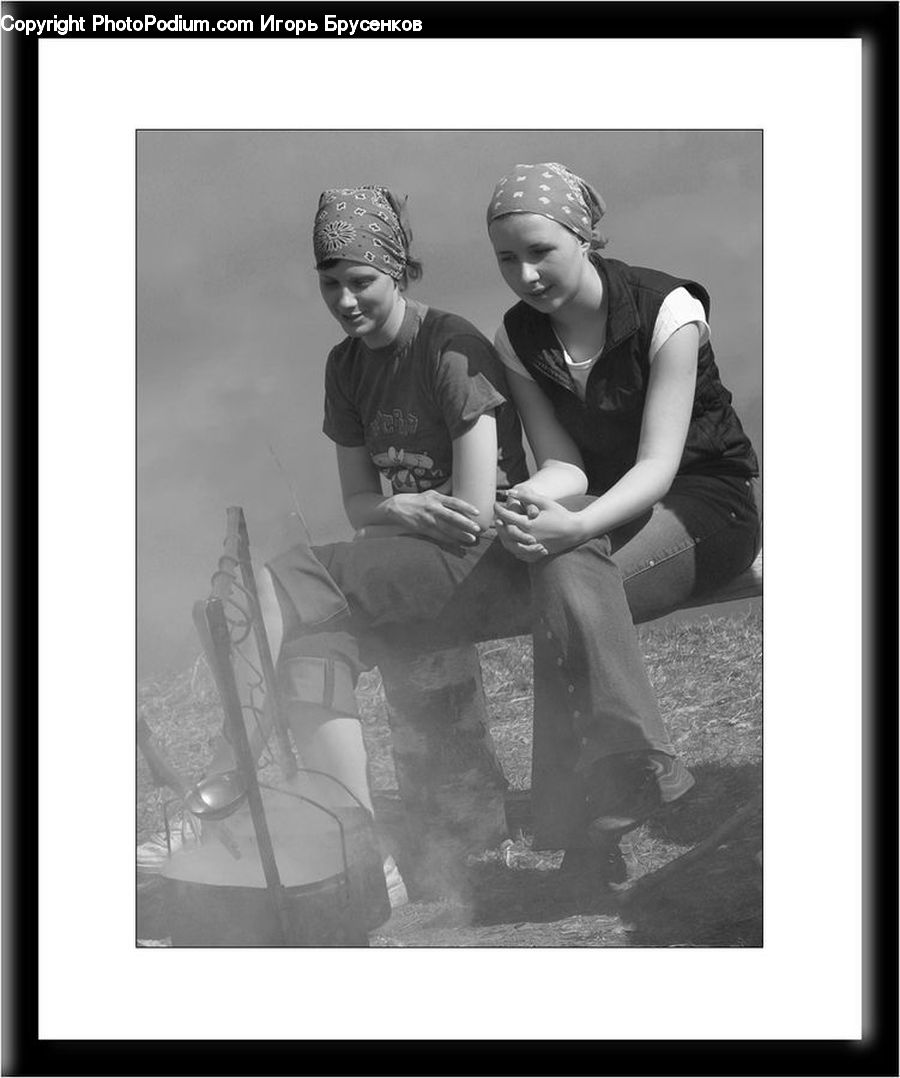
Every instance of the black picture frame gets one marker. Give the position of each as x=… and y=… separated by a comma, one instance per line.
x=24, y=1051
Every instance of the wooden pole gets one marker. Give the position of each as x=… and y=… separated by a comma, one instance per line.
x=237, y=526
x=221, y=642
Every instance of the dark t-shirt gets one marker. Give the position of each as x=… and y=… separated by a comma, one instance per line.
x=408, y=401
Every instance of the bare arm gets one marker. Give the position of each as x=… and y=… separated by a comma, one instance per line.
x=667, y=413
x=664, y=427
x=475, y=467
x=560, y=467
x=456, y=516
x=364, y=501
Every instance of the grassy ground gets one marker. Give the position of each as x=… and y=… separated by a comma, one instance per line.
x=707, y=675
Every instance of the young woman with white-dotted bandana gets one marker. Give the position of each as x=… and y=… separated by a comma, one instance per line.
x=643, y=497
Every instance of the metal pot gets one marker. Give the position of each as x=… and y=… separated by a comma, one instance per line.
x=330, y=866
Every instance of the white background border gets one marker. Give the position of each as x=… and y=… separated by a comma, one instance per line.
x=805, y=982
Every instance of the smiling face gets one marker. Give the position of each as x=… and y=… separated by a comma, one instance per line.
x=544, y=263
x=366, y=302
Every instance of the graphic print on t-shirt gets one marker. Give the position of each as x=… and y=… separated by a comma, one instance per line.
x=407, y=471
x=407, y=403
x=408, y=467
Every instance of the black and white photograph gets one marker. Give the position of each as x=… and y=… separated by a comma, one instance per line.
x=398, y=405
x=464, y=407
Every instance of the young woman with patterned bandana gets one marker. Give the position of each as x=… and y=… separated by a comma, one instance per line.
x=643, y=497
x=415, y=400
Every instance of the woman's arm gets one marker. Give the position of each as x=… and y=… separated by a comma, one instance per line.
x=364, y=501
x=560, y=468
x=475, y=468
x=667, y=413
x=442, y=516
x=664, y=427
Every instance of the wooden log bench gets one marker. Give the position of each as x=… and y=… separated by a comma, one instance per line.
x=748, y=585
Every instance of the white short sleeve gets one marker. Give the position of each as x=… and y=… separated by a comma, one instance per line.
x=507, y=354
x=678, y=309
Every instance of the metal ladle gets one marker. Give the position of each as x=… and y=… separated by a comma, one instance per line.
x=217, y=796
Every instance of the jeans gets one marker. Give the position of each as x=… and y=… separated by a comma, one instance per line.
x=413, y=607
x=592, y=697
x=409, y=597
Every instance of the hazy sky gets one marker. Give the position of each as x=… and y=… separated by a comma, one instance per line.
x=232, y=334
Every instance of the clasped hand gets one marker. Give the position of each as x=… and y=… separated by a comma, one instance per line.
x=532, y=526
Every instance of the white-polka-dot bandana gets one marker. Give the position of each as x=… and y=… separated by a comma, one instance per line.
x=362, y=224
x=551, y=190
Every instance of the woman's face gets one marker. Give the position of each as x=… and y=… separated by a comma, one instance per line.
x=365, y=301
x=542, y=262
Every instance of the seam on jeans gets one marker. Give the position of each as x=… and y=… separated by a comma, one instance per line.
x=663, y=558
x=345, y=609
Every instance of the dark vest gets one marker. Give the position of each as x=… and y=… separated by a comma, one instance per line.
x=606, y=425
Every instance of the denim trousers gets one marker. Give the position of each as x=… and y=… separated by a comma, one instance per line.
x=592, y=696
x=415, y=607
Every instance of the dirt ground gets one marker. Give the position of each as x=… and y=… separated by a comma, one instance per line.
x=512, y=897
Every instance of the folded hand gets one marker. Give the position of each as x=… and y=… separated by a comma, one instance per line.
x=532, y=526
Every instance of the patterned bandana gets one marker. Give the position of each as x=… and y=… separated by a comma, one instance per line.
x=551, y=190
x=362, y=224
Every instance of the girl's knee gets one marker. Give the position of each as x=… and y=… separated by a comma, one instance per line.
x=318, y=682
x=576, y=567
